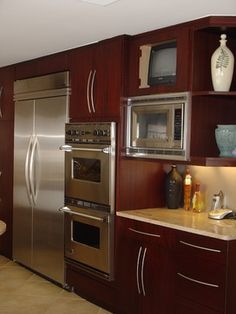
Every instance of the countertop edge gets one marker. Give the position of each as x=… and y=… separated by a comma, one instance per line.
x=130, y=214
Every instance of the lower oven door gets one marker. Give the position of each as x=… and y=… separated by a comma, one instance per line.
x=90, y=173
x=89, y=239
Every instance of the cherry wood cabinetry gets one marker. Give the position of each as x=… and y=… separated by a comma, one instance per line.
x=196, y=42
x=41, y=66
x=210, y=108
x=173, y=33
x=163, y=270
x=97, y=80
x=96, y=290
x=205, y=275
x=6, y=93
x=6, y=184
x=6, y=156
x=139, y=184
x=144, y=272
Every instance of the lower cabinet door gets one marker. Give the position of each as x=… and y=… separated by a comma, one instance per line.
x=143, y=270
x=184, y=306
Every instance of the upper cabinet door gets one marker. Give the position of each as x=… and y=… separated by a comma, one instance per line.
x=96, y=80
x=6, y=93
x=85, y=82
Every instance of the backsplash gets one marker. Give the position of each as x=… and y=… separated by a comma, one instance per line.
x=214, y=179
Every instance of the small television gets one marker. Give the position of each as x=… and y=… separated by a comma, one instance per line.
x=162, y=64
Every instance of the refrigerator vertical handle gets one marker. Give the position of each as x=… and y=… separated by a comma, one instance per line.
x=27, y=177
x=31, y=170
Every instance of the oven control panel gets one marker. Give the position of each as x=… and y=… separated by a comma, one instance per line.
x=91, y=132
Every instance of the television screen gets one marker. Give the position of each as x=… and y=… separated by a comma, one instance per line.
x=162, y=64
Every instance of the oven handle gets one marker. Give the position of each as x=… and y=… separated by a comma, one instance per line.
x=66, y=210
x=68, y=148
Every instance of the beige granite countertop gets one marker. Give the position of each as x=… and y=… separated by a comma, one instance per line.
x=180, y=219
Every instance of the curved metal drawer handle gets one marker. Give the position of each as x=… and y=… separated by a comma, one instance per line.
x=142, y=271
x=200, y=247
x=198, y=281
x=88, y=90
x=145, y=233
x=92, y=91
x=137, y=269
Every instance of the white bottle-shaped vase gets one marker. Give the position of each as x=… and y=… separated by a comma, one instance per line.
x=222, y=67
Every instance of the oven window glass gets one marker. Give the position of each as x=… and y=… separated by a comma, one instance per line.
x=86, y=234
x=86, y=169
x=152, y=125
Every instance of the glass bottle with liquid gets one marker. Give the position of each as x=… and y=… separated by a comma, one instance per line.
x=173, y=188
x=187, y=190
x=197, y=202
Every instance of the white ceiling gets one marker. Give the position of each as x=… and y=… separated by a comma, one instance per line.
x=34, y=28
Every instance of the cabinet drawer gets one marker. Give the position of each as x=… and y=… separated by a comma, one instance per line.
x=203, y=292
x=184, y=306
x=201, y=247
x=147, y=232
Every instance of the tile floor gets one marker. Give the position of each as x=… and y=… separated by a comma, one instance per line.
x=23, y=292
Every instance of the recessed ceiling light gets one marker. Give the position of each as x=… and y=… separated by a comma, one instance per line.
x=100, y=2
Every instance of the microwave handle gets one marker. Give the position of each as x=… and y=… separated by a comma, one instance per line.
x=68, y=148
x=67, y=210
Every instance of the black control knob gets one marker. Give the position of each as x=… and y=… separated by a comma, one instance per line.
x=96, y=132
x=68, y=132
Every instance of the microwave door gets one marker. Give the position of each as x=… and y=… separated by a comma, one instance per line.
x=150, y=128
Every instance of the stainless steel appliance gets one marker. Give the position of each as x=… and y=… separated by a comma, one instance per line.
x=158, y=126
x=90, y=195
x=38, y=228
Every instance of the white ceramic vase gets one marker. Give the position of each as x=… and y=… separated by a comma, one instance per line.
x=222, y=67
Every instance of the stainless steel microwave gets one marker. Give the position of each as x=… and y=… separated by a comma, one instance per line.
x=158, y=126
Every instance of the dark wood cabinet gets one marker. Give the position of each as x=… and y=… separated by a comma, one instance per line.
x=6, y=184
x=97, y=80
x=6, y=93
x=144, y=273
x=181, y=35
x=41, y=66
x=204, y=274
x=94, y=289
x=196, y=41
x=164, y=270
x=209, y=108
x=6, y=156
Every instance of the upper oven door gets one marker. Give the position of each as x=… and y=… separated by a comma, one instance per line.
x=88, y=173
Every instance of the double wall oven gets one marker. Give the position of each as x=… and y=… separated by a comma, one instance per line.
x=90, y=196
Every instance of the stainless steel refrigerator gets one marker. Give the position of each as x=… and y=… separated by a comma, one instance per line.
x=38, y=228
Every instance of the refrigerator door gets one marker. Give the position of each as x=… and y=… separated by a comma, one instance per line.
x=22, y=212
x=40, y=115
x=48, y=187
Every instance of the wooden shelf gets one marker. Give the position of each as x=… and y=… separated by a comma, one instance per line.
x=213, y=161
x=213, y=93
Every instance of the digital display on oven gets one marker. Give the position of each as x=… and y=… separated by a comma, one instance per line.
x=86, y=169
